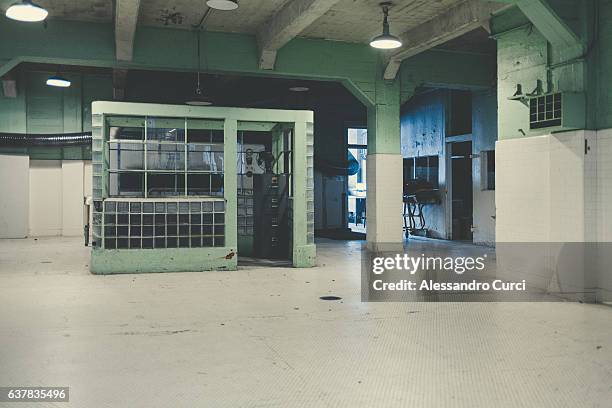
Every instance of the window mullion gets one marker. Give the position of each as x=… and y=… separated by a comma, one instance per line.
x=146, y=173
x=186, y=145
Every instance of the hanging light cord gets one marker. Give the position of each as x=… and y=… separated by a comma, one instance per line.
x=199, y=89
x=203, y=19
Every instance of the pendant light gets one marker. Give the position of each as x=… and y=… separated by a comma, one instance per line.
x=199, y=99
x=26, y=11
x=224, y=5
x=386, y=41
x=299, y=88
x=58, y=81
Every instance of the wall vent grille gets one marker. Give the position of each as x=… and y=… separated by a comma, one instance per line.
x=545, y=111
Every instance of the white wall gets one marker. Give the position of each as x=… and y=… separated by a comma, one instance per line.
x=42, y=197
x=45, y=198
x=384, y=199
x=550, y=190
x=14, y=192
x=603, y=208
x=73, y=172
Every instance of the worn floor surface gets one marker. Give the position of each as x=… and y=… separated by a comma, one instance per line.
x=262, y=338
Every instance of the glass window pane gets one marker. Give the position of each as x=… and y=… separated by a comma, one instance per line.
x=205, y=157
x=199, y=184
x=205, y=130
x=165, y=156
x=126, y=184
x=166, y=129
x=126, y=133
x=216, y=184
x=126, y=156
x=358, y=136
x=165, y=184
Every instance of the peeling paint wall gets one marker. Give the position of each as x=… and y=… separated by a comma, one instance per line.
x=484, y=136
x=423, y=131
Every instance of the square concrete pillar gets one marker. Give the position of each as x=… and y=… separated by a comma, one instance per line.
x=384, y=212
x=385, y=173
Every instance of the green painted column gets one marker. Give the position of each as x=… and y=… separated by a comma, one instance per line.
x=304, y=253
x=384, y=119
x=230, y=181
x=384, y=167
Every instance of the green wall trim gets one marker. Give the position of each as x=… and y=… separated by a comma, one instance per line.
x=304, y=256
x=119, y=261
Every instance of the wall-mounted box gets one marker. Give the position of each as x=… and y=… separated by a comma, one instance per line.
x=559, y=111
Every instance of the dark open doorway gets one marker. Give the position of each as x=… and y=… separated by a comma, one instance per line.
x=461, y=190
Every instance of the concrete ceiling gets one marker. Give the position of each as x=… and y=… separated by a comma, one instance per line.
x=347, y=20
x=96, y=11
x=422, y=24
x=360, y=20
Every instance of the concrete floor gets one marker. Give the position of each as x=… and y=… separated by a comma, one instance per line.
x=262, y=338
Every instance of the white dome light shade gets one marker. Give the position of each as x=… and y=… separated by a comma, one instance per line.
x=386, y=42
x=224, y=5
x=199, y=99
x=26, y=11
x=299, y=89
x=202, y=102
x=58, y=82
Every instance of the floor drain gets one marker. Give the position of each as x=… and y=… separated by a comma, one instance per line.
x=330, y=298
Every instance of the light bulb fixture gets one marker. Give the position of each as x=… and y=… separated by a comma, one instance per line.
x=386, y=41
x=199, y=99
x=299, y=89
x=58, y=81
x=224, y=5
x=26, y=11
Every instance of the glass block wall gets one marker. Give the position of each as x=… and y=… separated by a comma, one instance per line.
x=310, y=215
x=170, y=224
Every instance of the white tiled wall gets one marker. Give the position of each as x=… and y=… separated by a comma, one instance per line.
x=522, y=198
x=557, y=188
x=14, y=192
x=42, y=197
x=384, y=212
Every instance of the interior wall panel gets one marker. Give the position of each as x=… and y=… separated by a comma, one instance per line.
x=72, y=197
x=14, y=196
x=45, y=210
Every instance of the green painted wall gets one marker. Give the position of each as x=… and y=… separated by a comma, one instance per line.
x=525, y=56
x=602, y=51
x=39, y=108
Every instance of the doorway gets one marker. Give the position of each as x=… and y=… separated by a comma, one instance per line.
x=357, y=152
x=461, y=190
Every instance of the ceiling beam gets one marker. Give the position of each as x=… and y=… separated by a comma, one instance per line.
x=286, y=24
x=552, y=26
x=451, y=24
x=126, y=18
